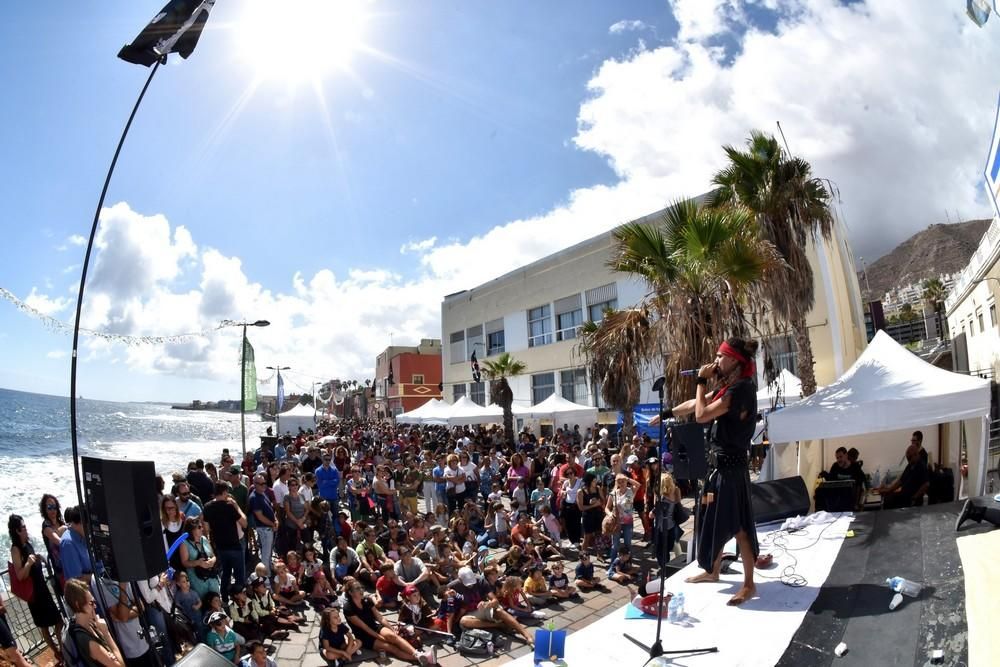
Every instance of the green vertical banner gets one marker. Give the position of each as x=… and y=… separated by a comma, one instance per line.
x=249, y=378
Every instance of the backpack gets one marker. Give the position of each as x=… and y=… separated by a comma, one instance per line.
x=474, y=642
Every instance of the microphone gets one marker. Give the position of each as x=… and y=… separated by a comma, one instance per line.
x=690, y=372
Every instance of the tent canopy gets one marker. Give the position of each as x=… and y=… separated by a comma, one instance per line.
x=431, y=412
x=786, y=386
x=558, y=409
x=890, y=388
x=464, y=412
x=299, y=416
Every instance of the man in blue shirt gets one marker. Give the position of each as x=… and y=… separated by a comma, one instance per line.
x=328, y=481
x=264, y=523
x=73, y=548
x=186, y=503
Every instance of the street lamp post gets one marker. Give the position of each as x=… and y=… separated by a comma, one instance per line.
x=277, y=408
x=243, y=382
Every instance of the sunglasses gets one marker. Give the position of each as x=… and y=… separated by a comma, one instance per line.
x=51, y=507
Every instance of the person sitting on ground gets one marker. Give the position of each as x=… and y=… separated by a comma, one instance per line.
x=586, y=578
x=911, y=486
x=222, y=639
x=537, y=588
x=483, y=608
x=257, y=656
x=388, y=587
x=449, y=611
x=559, y=586
x=414, y=610
x=514, y=600
x=411, y=570
x=286, y=589
x=266, y=611
x=189, y=602
x=322, y=594
x=532, y=541
x=240, y=611
x=622, y=569
x=338, y=644
x=372, y=629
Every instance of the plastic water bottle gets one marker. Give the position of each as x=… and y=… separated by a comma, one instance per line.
x=877, y=478
x=904, y=586
x=680, y=604
x=673, y=609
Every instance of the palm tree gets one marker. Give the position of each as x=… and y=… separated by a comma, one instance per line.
x=790, y=206
x=501, y=394
x=703, y=265
x=617, y=349
x=934, y=294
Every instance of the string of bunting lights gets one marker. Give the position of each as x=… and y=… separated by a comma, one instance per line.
x=59, y=326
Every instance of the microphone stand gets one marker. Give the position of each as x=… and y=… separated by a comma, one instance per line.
x=656, y=650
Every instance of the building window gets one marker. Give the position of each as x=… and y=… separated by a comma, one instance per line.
x=418, y=379
x=972, y=329
x=569, y=317
x=573, y=384
x=993, y=315
x=539, y=326
x=494, y=337
x=477, y=393
x=457, y=392
x=979, y=318
x=543, y=385
x=474, y=341
x=601, y=299
x=456, y=349
x=782, y=350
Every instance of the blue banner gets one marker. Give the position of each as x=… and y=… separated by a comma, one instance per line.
x=281, y=392
x=642, y=413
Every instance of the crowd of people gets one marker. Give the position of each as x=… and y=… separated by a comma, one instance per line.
x=395, y=535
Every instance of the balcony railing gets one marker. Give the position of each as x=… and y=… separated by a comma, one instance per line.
x=985, y=252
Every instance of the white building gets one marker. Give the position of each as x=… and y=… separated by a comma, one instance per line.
x=972, y=311
x=535, y=312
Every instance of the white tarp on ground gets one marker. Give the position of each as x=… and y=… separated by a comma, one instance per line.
x=753, y=634
x=431, y=412
x=561, y=411
x=786, y=387
x=300, y=416
x=888, y=388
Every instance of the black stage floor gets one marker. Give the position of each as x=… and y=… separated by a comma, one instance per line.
x=853, y=605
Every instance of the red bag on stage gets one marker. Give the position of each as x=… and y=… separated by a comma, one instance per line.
x=648, y=604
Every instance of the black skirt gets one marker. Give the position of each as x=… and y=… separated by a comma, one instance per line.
x=731, y=510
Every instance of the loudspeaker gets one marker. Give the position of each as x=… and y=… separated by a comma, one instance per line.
x=835, y=496
x=779, y=499
x=124, y=517
x=687, y=448
x=202, y=656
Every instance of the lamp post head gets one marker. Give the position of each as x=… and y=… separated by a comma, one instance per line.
x=261, y=323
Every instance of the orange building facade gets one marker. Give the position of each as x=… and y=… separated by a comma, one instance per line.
x=415, y=378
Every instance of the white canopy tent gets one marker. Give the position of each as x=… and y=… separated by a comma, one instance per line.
x=786, y=387
x=888, y=388
x=300, y=416
x=560, y=411
x=431, y=412
x=464, y=412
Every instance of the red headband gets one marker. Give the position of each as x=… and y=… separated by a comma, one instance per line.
x=749, y=368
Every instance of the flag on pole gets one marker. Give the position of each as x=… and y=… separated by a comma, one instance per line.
x=978, y=11
x=249, y=378
x=391, y=380
x=175, y=29
x=476, y=374
x=281, y=392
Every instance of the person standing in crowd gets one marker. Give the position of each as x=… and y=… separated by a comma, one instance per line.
x=226, y=520
x=571, y=512
x=53, y=528
x=28, y=565
x=198, y=559
x=88, y=635
x=73, y=548
x=265, y=523
x=620, y=505
x=199, y=480
x=293, y=526
x=328, y=481
x=188, y=505
x=155, y=593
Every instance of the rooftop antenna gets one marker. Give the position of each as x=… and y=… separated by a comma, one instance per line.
x=782, y=133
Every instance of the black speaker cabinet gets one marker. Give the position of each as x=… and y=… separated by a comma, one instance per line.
x=124, y=517
x=687, y=449
x=779, y=499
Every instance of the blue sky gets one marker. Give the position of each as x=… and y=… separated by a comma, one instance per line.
x=460, y=140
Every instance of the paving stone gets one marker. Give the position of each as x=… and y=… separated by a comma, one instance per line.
x=289, y=651
x=312, y=659
x=577, y=613
x=453, y=660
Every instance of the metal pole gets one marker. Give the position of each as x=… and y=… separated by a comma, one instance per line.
x=74, y=442
x=243, y=391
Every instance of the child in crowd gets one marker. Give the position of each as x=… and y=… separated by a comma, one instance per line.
x=622, y=569
x=441, y=515
x=514, y=601
x=501, y=524
x=222, y=638
x=341, y=569
x=550, y=524
x=311, y=564
x=559, y=586
x=322, y=594
x=448, y=612
x=294, y=566
x=413, y=609
x=337, y=643
x=586, y=579
x=496, y=495
x=188, y=602
x=242, y=615
x=211, y=602
x=266, y=611
x=261, y=572
x=387, y=588
x=536, y=587
x=286, y=588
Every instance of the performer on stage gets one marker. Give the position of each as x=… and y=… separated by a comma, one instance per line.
x=732, y=410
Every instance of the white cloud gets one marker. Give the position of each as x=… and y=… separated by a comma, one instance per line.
x=46, y=304
x=418, y=246
x=56, y=354
x=625, y=25
x=76, y=239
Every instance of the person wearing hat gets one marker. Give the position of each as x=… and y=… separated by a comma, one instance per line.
x=221, y=638
x=414, y=609
x=239, y=490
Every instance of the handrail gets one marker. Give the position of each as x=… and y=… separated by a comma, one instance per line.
x=28, y=638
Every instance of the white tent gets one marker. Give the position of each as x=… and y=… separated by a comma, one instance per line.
x=889, y=388
x=786, y=386
x=464, y=412
x=299, y=416
x=561, y=411
x=431, y=412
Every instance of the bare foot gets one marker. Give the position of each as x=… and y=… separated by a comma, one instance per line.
x=703, y=577
x=742, y=595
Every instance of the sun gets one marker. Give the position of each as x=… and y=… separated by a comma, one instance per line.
x=300, y=41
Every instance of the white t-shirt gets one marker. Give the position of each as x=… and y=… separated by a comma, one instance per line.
x=471, y=473
x=280, y=491
x=451, y=475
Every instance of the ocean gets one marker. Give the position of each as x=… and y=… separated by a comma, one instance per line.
x=35, y=450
